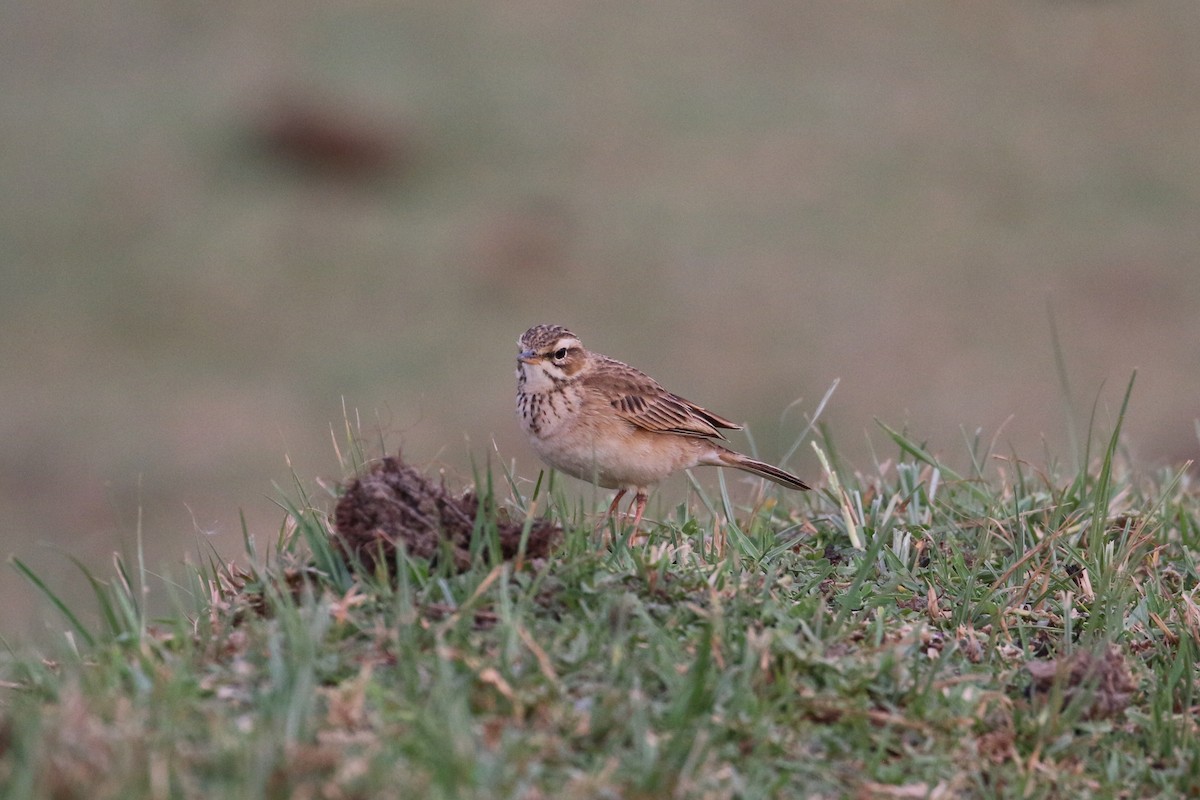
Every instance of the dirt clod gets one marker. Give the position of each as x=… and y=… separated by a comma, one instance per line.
x=1103, y=676
x=392, y=504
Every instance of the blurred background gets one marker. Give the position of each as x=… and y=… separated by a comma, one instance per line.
x=225, y=222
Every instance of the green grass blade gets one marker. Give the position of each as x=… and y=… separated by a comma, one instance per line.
x=54, y=599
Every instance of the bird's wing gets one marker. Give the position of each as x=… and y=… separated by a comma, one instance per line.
x=642, y=401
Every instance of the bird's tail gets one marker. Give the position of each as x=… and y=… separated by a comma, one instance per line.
x=728, y=458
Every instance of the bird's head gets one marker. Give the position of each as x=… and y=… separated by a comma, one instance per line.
x=550, y=353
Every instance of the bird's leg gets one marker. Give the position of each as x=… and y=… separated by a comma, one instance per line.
x=639, y=501
x=612, y=510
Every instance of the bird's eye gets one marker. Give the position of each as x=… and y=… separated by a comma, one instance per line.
x=560, y=354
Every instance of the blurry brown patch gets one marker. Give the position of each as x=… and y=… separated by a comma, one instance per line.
x=1102, y=678
x=996, y=746
x=323, y=137
x=393, y=504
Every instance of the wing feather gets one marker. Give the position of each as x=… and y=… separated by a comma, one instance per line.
x=642, y=401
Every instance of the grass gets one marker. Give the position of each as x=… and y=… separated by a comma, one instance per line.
x=1008, y=632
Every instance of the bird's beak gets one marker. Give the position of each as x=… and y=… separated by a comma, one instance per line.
x=527, y=357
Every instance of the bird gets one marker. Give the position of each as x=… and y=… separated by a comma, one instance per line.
x=605, y=422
